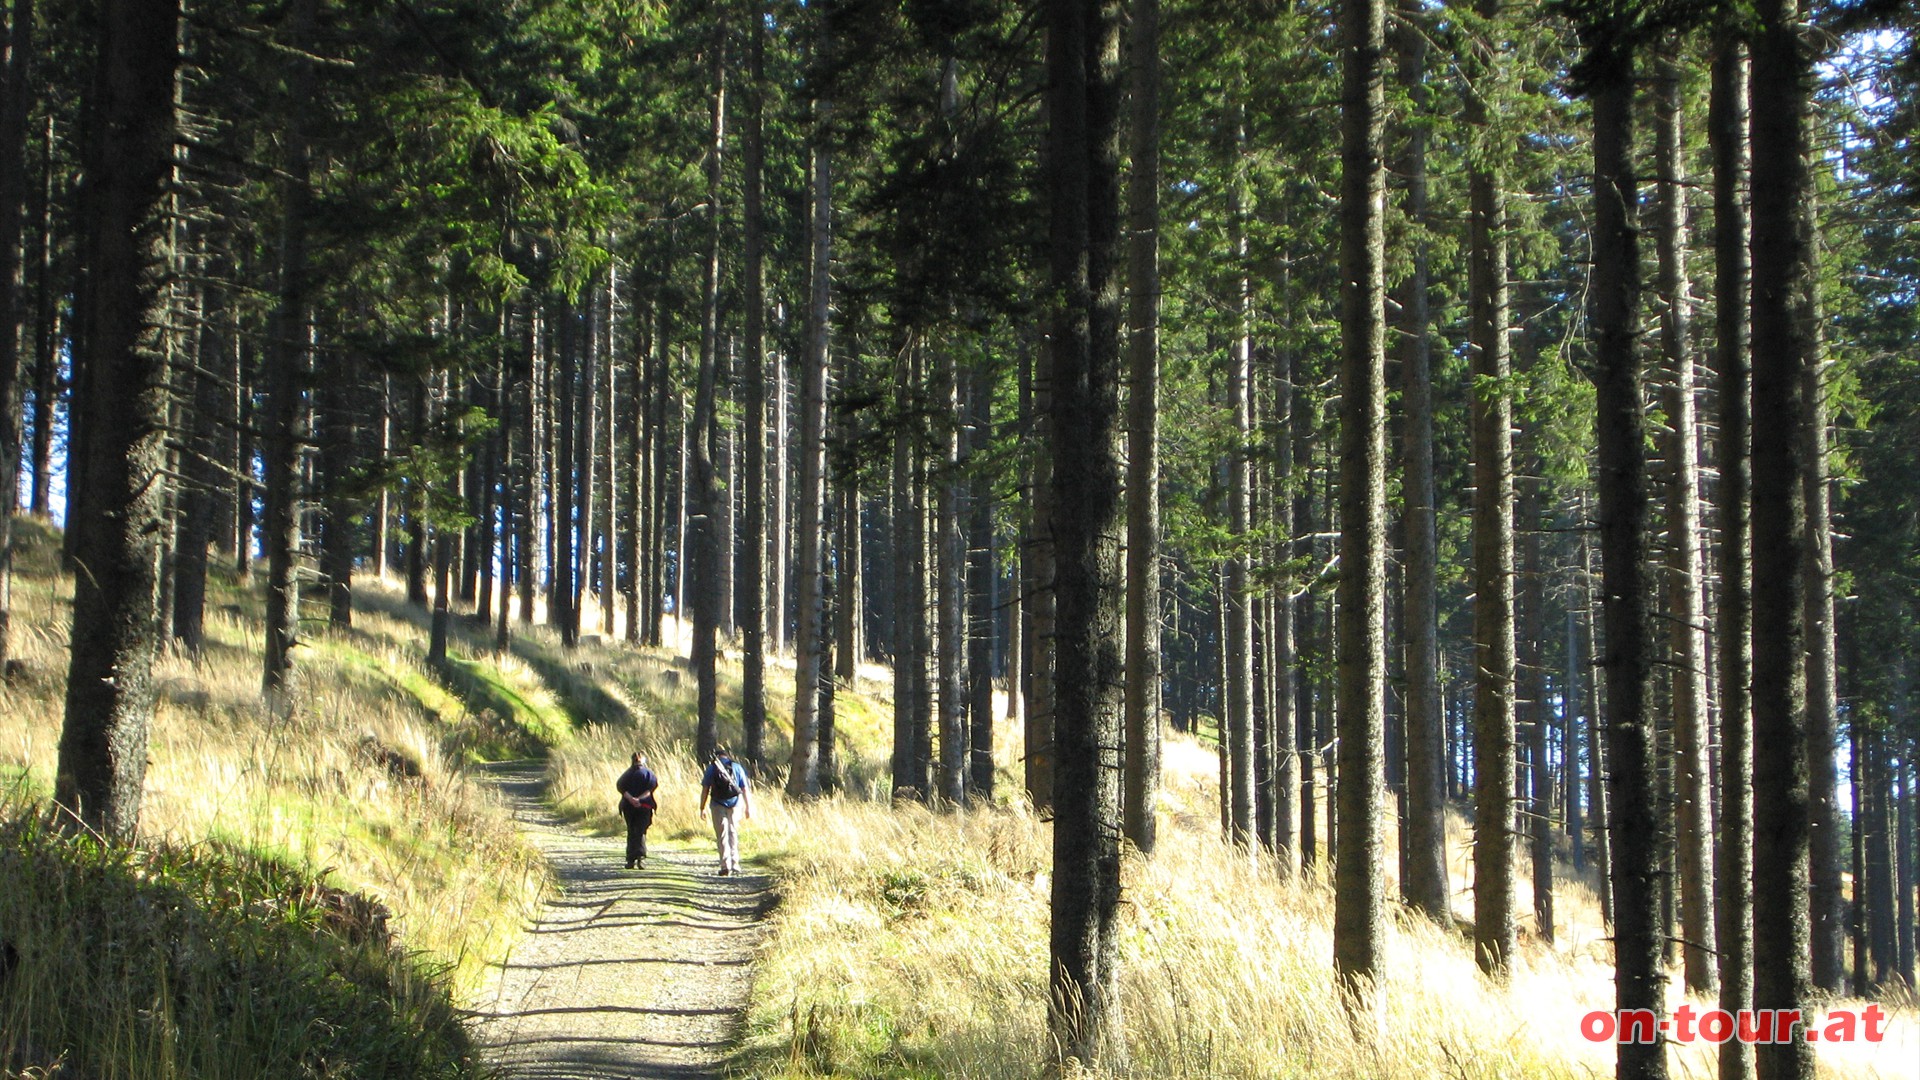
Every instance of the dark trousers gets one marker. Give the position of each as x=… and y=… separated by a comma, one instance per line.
x=639, y=819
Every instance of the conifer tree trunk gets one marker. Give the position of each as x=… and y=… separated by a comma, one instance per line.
x=511, y=509
x=1017, y=611
x=1639, y=981
x=200, y=481
x=527, y=541
x=638, y=525
x=47, y=331
x=1727, y=133
x=1359, y=915
x=780, y=536
x=950, y=587
x=443, y=542
x=1238, y=643
x=753, y=548
x=1083, y=180
x=1596, y=724
x=1285, y=721
x=563, y=441
x=703, y=491
x=982, y=596
x=1142, y=725
x=1693, y=805
x=1425, y=884
x=1531, y=680
x=905, y=605
x=129, y=99
x=1310, y=644
x=14, y=106
x=1825, y=912
x=337, y=459
x=578, y=534
x=610, y=465
x=849, y=601
x=1039, y=564
x=1783, y=351
x=287, y=358
x=1493, y=633
x=803, y=773
x=1572, y=700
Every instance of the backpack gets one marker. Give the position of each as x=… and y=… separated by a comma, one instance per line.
x=724, y=789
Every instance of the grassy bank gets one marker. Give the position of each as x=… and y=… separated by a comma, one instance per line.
x=359, y=793
x=162, y=961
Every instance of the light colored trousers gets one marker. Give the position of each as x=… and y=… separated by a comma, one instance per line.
x=727, y=834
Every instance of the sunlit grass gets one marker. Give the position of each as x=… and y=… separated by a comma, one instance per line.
x=361, y=785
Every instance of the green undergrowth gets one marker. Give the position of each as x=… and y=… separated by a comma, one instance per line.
x=165, y=961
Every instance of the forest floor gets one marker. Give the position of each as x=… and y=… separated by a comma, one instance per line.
x=643, y=973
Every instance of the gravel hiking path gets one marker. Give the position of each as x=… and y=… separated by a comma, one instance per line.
x=626, y=973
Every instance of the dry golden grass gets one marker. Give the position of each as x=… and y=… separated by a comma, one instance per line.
x=355, y=785
x=911, y=942
x=908, y=942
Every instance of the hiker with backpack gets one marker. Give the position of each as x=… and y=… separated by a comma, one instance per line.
x=638, y=787
x=723, y=792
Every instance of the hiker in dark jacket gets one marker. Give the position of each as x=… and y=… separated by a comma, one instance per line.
x=637, y=787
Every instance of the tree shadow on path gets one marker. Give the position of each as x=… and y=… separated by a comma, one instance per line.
x=626, y=973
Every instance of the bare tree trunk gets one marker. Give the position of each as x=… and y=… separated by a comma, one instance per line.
x=1633, y=828
x=982, y=576
x=1531, y=680
x=1425, y=883
x=1083, y=177
x=200, y=482
x=565, y=443
x=287, y=357
x=103, y=743
x=510, y=517
x=950, y=585
x=14, y=106
x=530, y=493
x=1590, y=616
x=1493, y=637
x=780, y=536
x=443, y=542
x=1238, y=729
x=906, y=610
x=1694, y=831
x=803, y=774
x=1018, y=613
x=47, y=331
x=339, y=436
x=1727, y=132
x=753, y=551
x=610, y=489
x=1783, y=352
x=1572, y=698
x=1287, y=679
x=579, y=534
x=849, y=598
x=1040, y=565
x=1828, y=960
x=1359, y=904
x=703, y=493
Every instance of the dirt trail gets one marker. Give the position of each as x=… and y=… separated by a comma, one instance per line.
x=627, y=973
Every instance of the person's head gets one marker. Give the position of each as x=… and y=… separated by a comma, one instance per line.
x=721, y=753
x=639, y=759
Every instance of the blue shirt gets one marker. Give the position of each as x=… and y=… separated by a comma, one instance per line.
x=712, y=775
